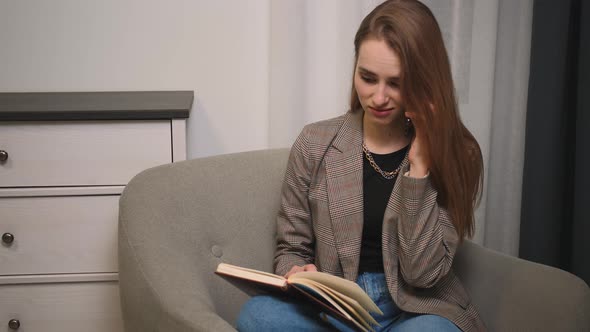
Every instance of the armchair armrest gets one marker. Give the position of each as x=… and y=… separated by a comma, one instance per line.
x=513, y=294
x=165, y=296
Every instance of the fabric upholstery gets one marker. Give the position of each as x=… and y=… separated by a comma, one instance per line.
x=178, y=221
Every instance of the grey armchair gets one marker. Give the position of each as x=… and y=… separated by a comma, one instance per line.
x=178, y=221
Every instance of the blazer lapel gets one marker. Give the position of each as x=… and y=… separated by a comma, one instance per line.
x=344, y=175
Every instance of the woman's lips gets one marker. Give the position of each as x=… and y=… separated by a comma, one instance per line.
x=381, y=113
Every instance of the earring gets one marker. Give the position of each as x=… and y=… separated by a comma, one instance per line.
x=408, y=126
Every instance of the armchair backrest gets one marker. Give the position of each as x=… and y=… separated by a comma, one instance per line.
x=178, y=221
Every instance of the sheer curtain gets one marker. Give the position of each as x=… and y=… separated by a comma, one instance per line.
x=311, y=60
x=311, y=64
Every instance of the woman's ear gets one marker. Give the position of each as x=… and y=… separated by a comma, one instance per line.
x=408, y=127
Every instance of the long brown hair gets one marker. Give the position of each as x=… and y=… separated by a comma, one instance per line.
x=456, y=163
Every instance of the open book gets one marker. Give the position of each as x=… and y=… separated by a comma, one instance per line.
x=341, y=298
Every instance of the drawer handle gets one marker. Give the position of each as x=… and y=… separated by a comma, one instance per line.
x=7, y=238
x=3, y=156
x=14, y=324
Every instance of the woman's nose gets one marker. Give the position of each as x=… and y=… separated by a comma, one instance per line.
x=380, y=96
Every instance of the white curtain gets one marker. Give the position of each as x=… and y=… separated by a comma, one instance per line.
x=311, y=63
x=506, y=159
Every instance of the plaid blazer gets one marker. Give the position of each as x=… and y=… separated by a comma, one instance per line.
x=320, y=222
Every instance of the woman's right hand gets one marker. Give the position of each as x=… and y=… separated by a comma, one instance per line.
x=295, y=269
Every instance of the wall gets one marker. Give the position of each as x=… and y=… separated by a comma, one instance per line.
x=218, y=48
x=261, y=69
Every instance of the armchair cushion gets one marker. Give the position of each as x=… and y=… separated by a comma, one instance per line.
x=178, y=221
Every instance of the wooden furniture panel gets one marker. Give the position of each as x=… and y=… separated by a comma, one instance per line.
x=65, y=158
x=62, y=307
x=81, y=153
x=76, y=234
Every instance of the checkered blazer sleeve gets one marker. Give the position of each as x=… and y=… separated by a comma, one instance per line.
x=427, y=238
x=295, y=239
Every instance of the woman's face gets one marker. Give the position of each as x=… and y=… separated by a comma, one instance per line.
x=376, y=80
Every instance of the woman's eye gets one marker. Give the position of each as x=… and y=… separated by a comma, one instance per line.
x=393, y=84
x=368, y=79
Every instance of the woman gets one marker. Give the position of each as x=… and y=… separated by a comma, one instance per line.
x=384, y=194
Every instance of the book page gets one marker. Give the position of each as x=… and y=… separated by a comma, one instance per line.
x=315, y=291
x=343, y=286
x=332, y=301
x=352, y=306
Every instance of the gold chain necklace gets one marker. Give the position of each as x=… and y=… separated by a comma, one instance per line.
x=387, y=175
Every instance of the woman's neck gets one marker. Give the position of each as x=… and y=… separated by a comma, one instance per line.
x=384, y=139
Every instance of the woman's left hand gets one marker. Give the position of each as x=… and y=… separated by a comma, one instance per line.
x=419, y=156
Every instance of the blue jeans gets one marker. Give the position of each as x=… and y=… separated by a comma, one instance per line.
x=275, y=313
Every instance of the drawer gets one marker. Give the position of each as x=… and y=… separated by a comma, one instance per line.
x=62, y=307
x=81, y=152
x=76, y=234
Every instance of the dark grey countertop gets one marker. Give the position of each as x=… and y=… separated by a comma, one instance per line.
x=123, y=105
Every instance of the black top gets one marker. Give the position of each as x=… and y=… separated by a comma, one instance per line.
x=376, y=193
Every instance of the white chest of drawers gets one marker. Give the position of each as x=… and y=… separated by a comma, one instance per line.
x=64, y=160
